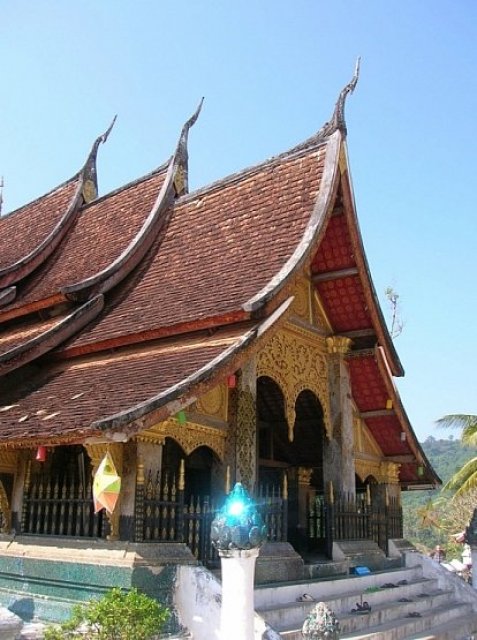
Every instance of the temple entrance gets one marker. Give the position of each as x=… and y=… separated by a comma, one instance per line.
x=58, y=497
x=301, y=460
x=179, y=507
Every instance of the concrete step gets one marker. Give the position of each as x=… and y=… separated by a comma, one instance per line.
x=413, y=627
x=292, y=614
x=465, y=629
x=277, y=594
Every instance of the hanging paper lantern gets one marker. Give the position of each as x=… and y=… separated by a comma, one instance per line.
x=41, y=454
x=106, y=485
x=232, y=381
x=420, y=471
x=181, y=417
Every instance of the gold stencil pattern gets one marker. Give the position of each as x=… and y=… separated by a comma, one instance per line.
x=189, y=436
x=296, y=360
x=246, y=437
x=214, y=403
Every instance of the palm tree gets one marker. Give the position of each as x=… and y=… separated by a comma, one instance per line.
x=466, y=478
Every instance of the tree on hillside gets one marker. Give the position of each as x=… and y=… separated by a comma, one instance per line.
x=464, y=479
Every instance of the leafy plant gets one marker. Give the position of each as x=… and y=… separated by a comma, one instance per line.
x=118, y=615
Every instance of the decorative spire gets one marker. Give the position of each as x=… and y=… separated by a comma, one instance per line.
x=181, y=177
x=337, y=121
x=1, y=194
x=90, y=178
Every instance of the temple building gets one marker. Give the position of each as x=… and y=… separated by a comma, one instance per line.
x=227, y=334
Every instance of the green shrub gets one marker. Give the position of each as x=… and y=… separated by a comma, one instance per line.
x=118, y=615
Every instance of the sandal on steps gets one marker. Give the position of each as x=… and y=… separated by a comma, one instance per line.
x=413, y=614
x=305, y=598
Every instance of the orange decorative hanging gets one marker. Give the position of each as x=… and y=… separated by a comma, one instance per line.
x=232, y=381
x=41, y=453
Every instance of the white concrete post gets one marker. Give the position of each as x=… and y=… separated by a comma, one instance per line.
x=237, y=614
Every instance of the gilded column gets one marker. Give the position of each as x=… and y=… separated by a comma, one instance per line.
x=246, y=427
x=339, y=461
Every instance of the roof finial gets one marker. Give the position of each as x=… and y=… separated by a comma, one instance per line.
x=2, y=184
x=90, y=178
x=338, y=119
x=181, y=181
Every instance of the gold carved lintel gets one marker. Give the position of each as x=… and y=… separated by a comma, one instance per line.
x=382, y=471
x=296, y=360
x=189, y=436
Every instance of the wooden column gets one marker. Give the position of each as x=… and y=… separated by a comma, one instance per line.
x=339, y=461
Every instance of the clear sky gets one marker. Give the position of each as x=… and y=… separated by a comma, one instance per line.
x=270, y=72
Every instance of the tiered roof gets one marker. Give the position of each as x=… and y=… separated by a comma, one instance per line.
x=116, y=311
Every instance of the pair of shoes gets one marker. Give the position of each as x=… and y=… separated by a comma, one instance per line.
x=404, y=600
x=388, y=585
x=305, y=598
x=401, y=583
x=361, y=608
x=413, y=614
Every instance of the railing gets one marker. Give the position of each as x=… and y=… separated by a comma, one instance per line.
x=164, y=515
x=355, y=518
x=61, y=507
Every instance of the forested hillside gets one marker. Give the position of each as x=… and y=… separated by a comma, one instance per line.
x=446, y=456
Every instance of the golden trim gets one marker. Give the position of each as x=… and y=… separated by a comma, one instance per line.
x=295, y=359
x=214, y=403
x=8, y=460
x=189, y=436
x=5, y=509
x=338, y=344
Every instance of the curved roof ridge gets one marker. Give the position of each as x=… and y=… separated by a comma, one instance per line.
x=337, y=121
x=126, y=186
x=51, y=337
x=116, y=271
x=361, y=259
x=86, y=189
x=317, y=219
x=248, y=171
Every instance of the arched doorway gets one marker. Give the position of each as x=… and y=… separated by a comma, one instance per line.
x=180, y=507
x=272, y=429
x=301, y=460
x=307, y=450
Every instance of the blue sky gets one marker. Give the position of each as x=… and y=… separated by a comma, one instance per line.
x=270, y=73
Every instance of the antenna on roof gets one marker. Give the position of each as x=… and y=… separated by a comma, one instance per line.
x=2, y=184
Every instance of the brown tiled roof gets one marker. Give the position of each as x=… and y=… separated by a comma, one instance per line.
x=65, y=400
x=13, y=336
x=216, y=251
x=102, y=231
x=24, y=229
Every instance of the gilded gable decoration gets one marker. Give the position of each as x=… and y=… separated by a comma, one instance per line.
x=301, y=304
x=214, y=403
x=295, y=359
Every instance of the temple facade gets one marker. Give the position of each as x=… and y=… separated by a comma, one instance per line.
x=201, y=338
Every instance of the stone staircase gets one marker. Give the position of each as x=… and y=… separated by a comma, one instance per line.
x=425, y=603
